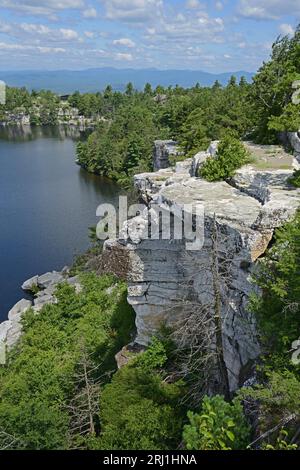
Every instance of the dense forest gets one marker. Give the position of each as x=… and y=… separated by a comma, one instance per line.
x=61, y=389
x=122, y=144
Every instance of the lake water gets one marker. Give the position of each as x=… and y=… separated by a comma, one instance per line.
x=47, y=204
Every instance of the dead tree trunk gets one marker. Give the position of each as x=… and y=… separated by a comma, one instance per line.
x=217, y=282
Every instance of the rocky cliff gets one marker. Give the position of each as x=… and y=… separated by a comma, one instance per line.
x=168, y=283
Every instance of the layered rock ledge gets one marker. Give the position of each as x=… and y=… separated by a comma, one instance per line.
x=164, y=277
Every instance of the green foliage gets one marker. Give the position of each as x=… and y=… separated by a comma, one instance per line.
x=281, y=443
x=271, y=94
x=123, y=144
x=120, y=147
x=231, y=155
x=155, y=356
x=37, y=383
x=218, y=426
x=289, y=120
x=278, y=396
x=278, y=309
x=209, y=112
x=295, y=179
x=139, y=410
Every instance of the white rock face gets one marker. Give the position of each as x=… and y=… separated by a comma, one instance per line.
x=198, y=161
x=48, y=279
x=30, y=284
x=164, y=275
x=213, y=148
x=43, y=281
x=10, y=330
x=163, y=149
x=294, y=139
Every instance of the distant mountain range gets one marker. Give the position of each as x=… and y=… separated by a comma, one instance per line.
x=92, y=80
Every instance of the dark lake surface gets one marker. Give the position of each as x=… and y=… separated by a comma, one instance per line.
x=47, y=204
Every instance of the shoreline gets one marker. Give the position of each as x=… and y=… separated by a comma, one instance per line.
x=41, y=289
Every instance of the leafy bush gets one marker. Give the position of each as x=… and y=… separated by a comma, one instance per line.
x=38, y=382
x=277, y=311
x=295, y=179
x=231, y=155
x=278, y=396
x=281, y=443
x=278, y=277
x=154, y=357
x=139, y=411
x=219, y=426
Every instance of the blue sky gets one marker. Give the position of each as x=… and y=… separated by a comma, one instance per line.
x=214, y=36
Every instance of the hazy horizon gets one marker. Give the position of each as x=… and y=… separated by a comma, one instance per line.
x=96, y=79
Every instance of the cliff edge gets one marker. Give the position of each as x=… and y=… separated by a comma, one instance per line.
x=169, y=284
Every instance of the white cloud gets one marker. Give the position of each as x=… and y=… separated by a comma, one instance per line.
x=268, y=9
x=122, y=56
x=199, y=27
x=126, y=42
x=41, y=7
x=90, y=13
x=4, y=27
x=34, y=33
x=89, y=34
x=30, y=28
x=24, y=47
x=68, y=34
x=139, y=11
x=192, y=4
x=51, y=50
x=219, y=6
x=286, y=29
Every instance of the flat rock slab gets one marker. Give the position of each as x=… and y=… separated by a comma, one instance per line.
x=11, y=329
x=221, y=199
x=19, y=309
x=45, y=280
x=30, y=284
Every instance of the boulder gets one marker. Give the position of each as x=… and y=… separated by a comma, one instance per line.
x=42, y=300
x=14, y=330
x=163, y=150
x=18, y=309
x=184, y=167
x=45, y=280
x=198, y=161
x=30, y=284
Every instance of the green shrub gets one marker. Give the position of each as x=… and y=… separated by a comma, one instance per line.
x=295, y=179
x=281, y=443
x=278, y=396
x=231, y=155
x=154, y=357
x=219, y=426
x=139, y=411
x=39, y=380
